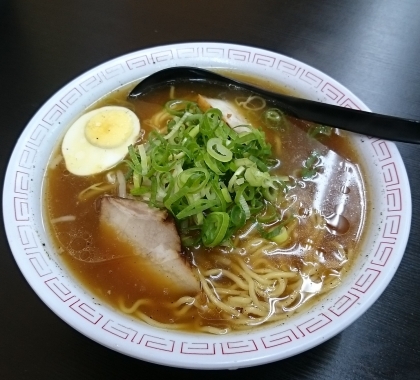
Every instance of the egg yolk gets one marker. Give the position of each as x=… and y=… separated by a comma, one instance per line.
x=108, y=129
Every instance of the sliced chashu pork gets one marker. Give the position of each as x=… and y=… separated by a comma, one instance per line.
x=153, y=235
x=231, y=114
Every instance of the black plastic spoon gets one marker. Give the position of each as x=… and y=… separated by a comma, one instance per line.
x=367, y=123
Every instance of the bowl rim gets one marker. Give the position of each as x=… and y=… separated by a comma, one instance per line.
x=34, y=254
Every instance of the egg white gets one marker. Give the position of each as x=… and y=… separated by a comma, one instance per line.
x=82, y=157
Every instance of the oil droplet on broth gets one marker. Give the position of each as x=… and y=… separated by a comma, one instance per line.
x=337, y=224
x=344, y=189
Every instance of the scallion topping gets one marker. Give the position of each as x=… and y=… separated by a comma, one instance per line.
x=209, y=177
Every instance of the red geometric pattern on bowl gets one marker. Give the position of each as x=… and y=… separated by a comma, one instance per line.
x=213, y=52
x=198, y=348
x=86, y=311
x=331, y=92
x=71, y=97
x=53, y=114
x=62, y=291
x=38, y=135
x=366, y=280
x=239, y=55
x=289, y=68
x=310, y=78
x=22, y=212
x=394, y=200
x=383, y=253
x=390, y=174
x=264, y=60
x=22, y=181
x=381, y=149
x=349, y=104
x=27, y=238
x=188, y=53
x=90, y=83
x=113, y=71
x=27, y=158
x=279, y=338
x=119, y=330
x=344, y=303
x=39, y=264
x=238, y=347
x=165, y=55
x=392, y=226
x=156, y=343
x=137, y=62
x=314, y=324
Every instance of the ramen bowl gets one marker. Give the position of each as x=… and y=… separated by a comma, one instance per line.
x=37, y=257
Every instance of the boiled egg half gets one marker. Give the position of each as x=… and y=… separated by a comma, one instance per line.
x=98, y=140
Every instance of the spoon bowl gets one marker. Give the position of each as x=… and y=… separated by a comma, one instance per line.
x=368, y=123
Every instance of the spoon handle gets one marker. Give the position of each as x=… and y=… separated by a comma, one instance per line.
x=367, y=123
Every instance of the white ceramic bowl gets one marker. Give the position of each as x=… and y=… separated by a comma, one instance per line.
x=32, y=249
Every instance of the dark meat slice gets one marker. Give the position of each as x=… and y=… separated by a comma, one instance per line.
x=154, y=237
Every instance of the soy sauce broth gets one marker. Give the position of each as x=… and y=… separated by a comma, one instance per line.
x=111, y=270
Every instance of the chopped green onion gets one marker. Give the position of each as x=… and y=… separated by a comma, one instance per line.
x=214, y=229
x=153, y=192
x=309, y=169
x=255, y=177
x=275, y=118
x=281, y=236
x=209, y=177
x=136, y=179
x=211, y=163
x=237, y=216
x=143, y=158
x=217, y=150
x=235, y=176
x=196, y=207
x=226, y=195
x=198, y=176
x=177, y=126
x=245, y=207
x=244, y=162
x=319, y=129
x=269, y=216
